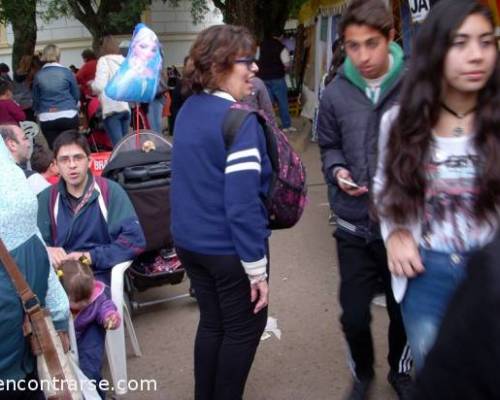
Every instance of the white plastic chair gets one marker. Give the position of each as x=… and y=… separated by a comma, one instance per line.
x=116, y=351
x=31, y=129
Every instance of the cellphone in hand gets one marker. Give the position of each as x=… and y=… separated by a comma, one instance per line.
x=348, y=182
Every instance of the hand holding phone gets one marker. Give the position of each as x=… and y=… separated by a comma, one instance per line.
x=348, y=182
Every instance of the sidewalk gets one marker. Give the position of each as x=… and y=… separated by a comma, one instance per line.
x=300, y=140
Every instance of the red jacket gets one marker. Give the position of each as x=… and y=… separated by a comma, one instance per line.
x=11, y=112
x=85, y=75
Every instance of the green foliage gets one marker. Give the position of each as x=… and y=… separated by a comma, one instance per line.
x=199, y=8
x=108, y=16
x=15, y=9
x=295, y=7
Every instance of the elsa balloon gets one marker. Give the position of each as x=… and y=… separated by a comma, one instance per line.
x=138, y=76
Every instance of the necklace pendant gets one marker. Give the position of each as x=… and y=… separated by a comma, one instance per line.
x=458, y=131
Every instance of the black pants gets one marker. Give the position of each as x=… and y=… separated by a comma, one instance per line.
x=228, y=332
x=52, y=129
x=362, y=267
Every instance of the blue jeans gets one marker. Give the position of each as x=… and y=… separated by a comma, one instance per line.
x=427, y=297
x=155, y=112
x=117, y=126
x=279, y=91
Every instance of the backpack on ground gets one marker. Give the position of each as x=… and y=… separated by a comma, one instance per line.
x=287, y=192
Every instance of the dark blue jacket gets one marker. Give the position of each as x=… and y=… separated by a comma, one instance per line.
x=348, y=127
x=110, y=239
x=55, y=89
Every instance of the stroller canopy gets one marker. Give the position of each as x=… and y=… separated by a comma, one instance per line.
x=144, y=147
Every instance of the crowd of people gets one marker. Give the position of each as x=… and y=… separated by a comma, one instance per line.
x=58, y=98
x=408, y=149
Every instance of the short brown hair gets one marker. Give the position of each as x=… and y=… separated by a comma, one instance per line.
x=5, y=86
x=373, y=13
x=41, y=158
x=213, y=53
x=88, y=54
x=71, y=136
x=77, y=280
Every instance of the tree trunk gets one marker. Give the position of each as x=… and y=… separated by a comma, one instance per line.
x=100, y=22
x=276, y=14
x=24, y=28
x=242, y=13
x=97, y=33
x=261, y=17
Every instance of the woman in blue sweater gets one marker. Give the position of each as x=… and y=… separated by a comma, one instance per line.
x=219, y=222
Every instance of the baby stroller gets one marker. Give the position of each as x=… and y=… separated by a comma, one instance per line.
x=140, y=163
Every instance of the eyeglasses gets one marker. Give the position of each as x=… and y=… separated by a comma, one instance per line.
x=249, y=61
x=77, y=158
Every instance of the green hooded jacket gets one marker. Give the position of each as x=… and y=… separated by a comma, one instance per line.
x=352, y=73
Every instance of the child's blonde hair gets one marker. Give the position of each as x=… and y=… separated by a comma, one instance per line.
x=77, y=280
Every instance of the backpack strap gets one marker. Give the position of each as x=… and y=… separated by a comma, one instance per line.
x=232, y=123
x=53, y=210
x=233, y=120
x=103, y=197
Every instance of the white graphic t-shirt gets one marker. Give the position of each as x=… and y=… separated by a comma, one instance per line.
x=449, y=223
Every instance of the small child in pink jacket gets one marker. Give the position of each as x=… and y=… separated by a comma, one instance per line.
x=93, y=313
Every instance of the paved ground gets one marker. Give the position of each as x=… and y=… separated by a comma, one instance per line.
x=309, y=362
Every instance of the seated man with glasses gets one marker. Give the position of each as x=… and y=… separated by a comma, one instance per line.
x=87, y=216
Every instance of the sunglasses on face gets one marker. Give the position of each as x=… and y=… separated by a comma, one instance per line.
x=248, y=61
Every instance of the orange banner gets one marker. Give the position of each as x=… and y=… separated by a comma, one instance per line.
x=495, y=7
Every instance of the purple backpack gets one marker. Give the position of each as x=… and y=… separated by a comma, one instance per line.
x=287, y=192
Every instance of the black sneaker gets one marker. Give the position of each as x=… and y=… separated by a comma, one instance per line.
x=360, y=389
x=402, y=384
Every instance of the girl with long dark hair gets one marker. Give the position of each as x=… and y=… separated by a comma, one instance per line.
x=438, y=183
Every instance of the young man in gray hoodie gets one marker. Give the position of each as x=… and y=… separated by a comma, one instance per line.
x=351, y=107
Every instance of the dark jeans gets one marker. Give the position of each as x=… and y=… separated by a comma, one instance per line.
x=228, y=332
x=52, y=129
x=362, y=265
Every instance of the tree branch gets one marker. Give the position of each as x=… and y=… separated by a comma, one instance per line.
x=83, y=11
x=220, y=5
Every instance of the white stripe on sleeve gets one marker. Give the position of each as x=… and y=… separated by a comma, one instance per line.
x=244, y=154
x=256, y=267
x=244, y=166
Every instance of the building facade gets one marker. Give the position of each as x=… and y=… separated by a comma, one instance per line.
x=173, y=25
